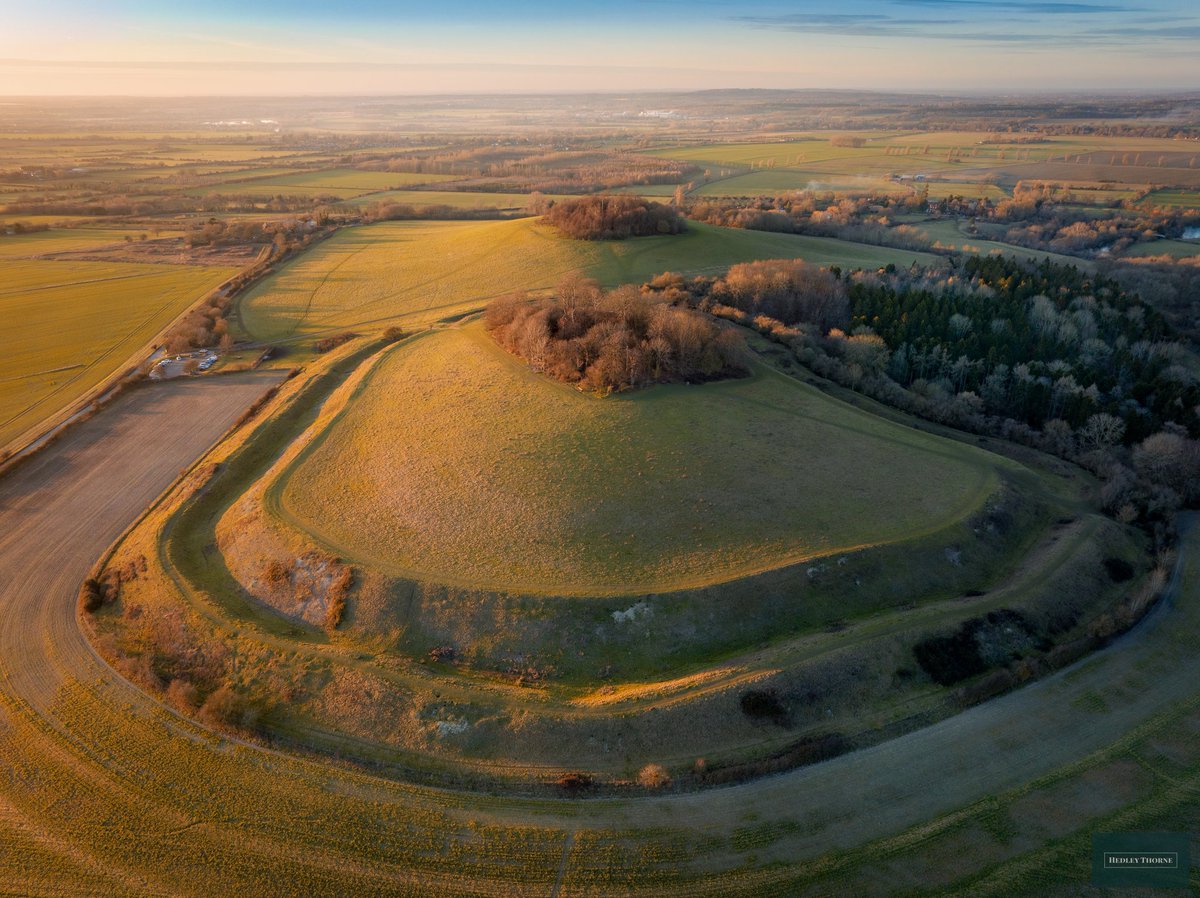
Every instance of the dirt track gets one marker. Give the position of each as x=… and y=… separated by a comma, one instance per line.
x=103, y=792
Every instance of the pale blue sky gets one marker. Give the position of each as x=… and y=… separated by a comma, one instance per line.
x=298, y=46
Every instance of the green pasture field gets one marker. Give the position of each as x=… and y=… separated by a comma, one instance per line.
x=6, y=217
x=1100, y=147
x=1179, y=249
x=1086, y=192
x=1126, y=162
x=61, y=240
x=218, y=152
x=786, y=154
x=459, y=464
x=949, y=234
x=458, y=199
x=653, y=191
x=341, y=182
x=61, y=151
x=418, y=271
x=166, y=174
x=771, y=182
x=79, y=322
x=1186, y=199
x=967, y=189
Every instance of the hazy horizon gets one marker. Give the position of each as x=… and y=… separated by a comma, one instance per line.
x=136, y=48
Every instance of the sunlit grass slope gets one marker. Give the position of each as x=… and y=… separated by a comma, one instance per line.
x=458, y=464
x=418, y=271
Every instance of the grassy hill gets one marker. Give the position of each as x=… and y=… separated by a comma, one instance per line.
x=457, y=463
x=419, y=271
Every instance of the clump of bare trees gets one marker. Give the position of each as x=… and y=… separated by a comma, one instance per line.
x=328, y=344
x=790, y=291
x=205, y=325
x=615, y=340
x=92, y=595
x=614, y=218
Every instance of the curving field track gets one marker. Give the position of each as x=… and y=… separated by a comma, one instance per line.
x=104, y=792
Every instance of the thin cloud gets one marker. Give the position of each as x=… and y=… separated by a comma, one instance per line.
x=1029, y=6
x=974, y=31
x=845, y=23
x=1178, y=32
x=255, y=65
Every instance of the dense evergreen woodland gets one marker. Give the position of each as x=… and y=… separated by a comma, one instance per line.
x=1034, y=344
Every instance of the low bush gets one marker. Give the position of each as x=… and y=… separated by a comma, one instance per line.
x=575, y=783
x=181, y=695
x=995, y=683
x=763, y=704
x=334, y=610
x=325, y=344
x=977, y=645
x=1119, y=570
x=653, y=776
x=950, y=659
x=277, y=573
x=222, y=709
x=91, y=595
x=339, y=589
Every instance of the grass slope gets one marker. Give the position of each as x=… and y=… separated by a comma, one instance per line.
x=419, y=271
x=79, y=321
x=949, y=233
x=458, y=464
